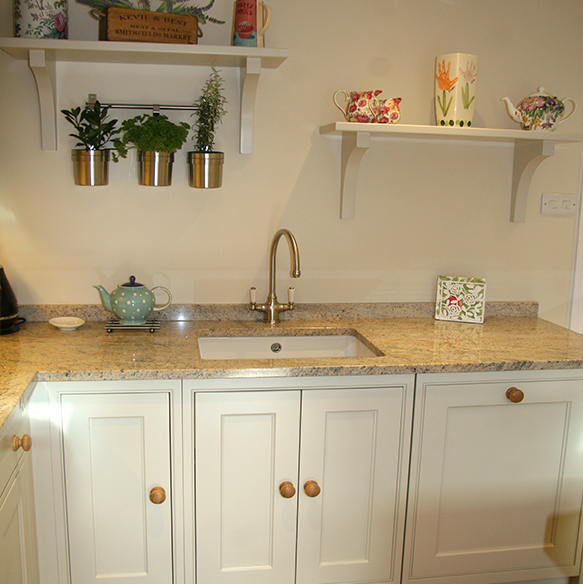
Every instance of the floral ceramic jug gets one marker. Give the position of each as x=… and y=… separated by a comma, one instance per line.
x=364, y=107
x=360, y=105
x=540, y=111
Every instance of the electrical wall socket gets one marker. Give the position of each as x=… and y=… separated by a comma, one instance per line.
x=558, y=204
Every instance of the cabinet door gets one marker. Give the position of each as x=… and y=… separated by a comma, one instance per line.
x=116, y=450
x=355, y=445
x=246, y=446
x=496, y=486
x=18, y=564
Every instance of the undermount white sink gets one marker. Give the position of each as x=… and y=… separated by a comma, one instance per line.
x=283, y=347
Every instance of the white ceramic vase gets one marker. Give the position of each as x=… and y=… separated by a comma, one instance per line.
x=456, y=82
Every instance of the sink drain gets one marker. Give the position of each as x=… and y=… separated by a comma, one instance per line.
x=276, y=347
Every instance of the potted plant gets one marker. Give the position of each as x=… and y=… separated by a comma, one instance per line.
x=157, y=139
x=206, y=165
x=94, y=131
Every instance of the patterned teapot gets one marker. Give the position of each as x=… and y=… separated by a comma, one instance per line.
x=540, y=111
x=131, y=302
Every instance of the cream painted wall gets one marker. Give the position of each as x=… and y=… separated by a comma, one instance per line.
x=423, y=208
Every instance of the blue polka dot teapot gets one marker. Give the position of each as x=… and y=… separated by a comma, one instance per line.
x=131, y=302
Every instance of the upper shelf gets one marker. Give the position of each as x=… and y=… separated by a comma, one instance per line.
x=142, y=53
x=42, y=54
x=530, y=149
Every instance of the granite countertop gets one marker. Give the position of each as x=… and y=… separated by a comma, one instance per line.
x=408, y=345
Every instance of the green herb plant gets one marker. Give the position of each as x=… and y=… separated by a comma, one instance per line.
x=209, y=111
x=151, y=133
x=93, y=129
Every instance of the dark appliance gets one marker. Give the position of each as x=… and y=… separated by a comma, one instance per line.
x=9, y=319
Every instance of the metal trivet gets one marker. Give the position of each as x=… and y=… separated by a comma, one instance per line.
x=114, y=325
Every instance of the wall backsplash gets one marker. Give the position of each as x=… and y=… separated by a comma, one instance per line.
x=416, y=218
x=302, y=312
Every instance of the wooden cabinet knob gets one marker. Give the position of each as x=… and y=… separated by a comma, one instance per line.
x=25, y=443
x=157, y=495
x=287, y=490
x=312, y=488
x=515, y=395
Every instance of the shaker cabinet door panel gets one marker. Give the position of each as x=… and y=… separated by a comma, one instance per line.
x=496, y=486
x=355, y=446
x=116, y=450
x=246, y=446
x=18, y=564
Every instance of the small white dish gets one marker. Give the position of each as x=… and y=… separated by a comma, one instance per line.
x=67, y=323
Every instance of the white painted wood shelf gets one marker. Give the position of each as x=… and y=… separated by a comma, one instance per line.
x=43, y=54
x=530, y=149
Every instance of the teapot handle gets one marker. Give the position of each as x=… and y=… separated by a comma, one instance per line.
x=169, y=297
x=345, y=99
x=573, y=110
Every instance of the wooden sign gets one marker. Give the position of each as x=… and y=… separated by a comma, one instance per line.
x=126, y=24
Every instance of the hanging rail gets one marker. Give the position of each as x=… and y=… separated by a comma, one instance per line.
x=156, y=108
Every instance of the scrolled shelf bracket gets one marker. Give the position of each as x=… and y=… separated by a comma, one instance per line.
x=250, y=74
x=527, y=157
x=44, y=72
x=354, y=145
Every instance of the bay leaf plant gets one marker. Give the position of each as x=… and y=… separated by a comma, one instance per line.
x=93, y=129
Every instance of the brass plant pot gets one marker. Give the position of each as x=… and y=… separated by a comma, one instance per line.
x=206, y=169
x=90, y=167
x=155, y=168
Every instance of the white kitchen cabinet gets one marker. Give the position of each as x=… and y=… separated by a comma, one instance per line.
x=113, y=484
x=18, y=556
x=342, y=462
x=496, y=486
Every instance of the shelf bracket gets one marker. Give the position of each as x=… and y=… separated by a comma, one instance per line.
x=354, y=145
x=527, y=157
x=250, y=78
x=43, y=70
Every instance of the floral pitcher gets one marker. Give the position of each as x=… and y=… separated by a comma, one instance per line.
x=364, y=107
x=360, y=106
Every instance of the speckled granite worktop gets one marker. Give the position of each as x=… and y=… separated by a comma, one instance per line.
x=408, y=345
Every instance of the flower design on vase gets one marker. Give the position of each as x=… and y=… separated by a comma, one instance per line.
x=469, y=75
x=445, y=84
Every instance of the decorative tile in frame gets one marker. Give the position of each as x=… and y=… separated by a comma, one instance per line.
x=460, y=299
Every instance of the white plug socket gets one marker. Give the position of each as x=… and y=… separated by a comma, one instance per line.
x=558, y=204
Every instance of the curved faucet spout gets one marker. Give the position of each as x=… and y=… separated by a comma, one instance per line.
x=294, y=253
x=272, y=307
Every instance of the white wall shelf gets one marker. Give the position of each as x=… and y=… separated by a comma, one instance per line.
x=43, y=54
x=530, y=149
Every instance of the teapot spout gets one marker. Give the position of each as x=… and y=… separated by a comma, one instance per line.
x=105, y=298
x=512, y=111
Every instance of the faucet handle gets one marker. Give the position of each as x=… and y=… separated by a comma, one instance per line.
x=253, y=294
x=290, y=294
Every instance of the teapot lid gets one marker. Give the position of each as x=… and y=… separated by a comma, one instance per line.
x=540, y=91
x=132, y=283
